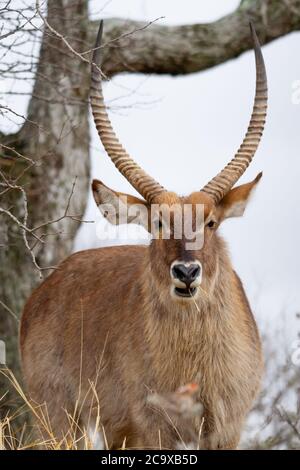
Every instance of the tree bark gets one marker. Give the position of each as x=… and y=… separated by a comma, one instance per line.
x=178, y=50
x=56, y=135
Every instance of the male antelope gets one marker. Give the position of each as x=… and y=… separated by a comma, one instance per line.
x=140, y=319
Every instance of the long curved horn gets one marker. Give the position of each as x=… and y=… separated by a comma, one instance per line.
x=221, y=184
x=137, y=177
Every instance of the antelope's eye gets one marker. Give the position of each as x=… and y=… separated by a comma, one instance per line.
x=211, y=224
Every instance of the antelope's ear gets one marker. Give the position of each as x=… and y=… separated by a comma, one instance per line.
x=120, y=208
x=235, y=202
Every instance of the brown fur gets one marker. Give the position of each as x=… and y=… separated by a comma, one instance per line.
x=108, y=316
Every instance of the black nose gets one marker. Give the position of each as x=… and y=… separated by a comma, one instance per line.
x=186, y=274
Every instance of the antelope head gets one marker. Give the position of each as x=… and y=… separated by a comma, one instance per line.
x=179, y=263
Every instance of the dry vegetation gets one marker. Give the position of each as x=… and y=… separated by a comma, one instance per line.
x=39, y=435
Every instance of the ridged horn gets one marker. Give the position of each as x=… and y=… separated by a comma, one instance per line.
x=221, y=184
x=136, y=176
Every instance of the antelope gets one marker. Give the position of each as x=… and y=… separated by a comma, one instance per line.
x=147, y=319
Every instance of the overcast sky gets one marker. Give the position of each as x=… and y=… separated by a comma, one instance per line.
x=215, y=106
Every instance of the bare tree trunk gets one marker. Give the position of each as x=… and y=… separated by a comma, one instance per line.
x=56, y=138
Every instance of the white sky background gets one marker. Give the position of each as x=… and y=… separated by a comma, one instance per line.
x=213, y=108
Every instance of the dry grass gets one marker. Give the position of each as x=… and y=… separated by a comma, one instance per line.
x=40, y=435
